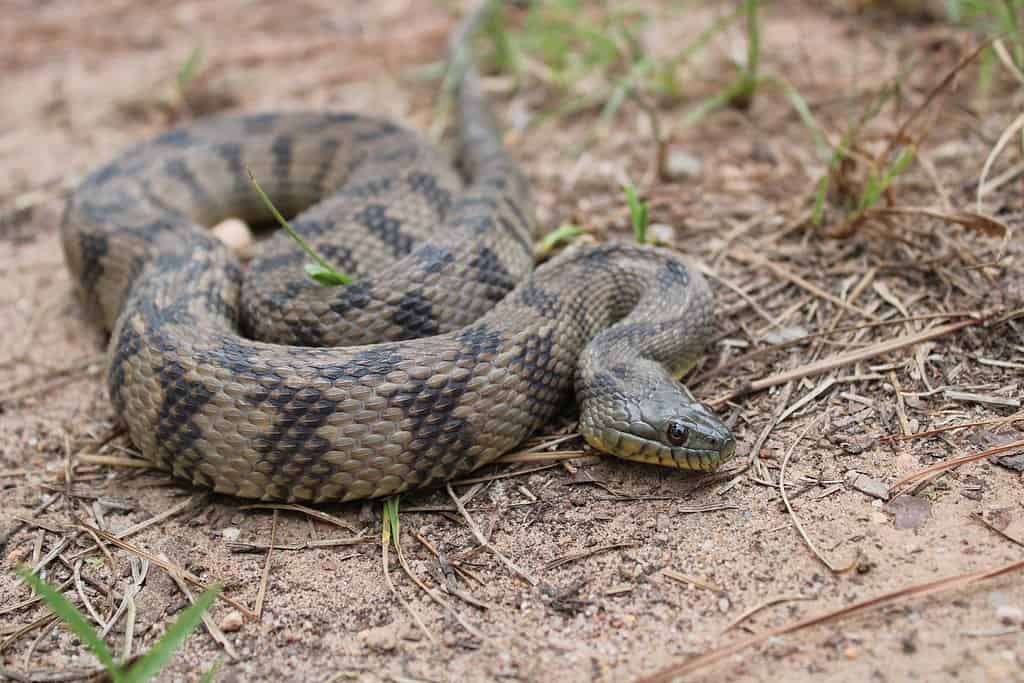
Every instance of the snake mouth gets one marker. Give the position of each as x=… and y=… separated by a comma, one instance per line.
x=638, y=449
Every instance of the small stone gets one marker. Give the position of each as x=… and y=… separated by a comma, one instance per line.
x=231, y=533
x=232, y=622
x=18, y=555
x=234, y=233
x=865, y=484
x=851, y=653
x=680, y=165
x=724, y=604
x=1008, y=615
x=380, y=638
x=909, y=512
x=659, y=233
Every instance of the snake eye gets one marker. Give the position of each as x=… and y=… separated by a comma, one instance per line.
x=677, y=433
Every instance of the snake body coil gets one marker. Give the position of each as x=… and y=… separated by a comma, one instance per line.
x=447, y=353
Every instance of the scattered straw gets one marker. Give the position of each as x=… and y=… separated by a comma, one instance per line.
x=944, y=584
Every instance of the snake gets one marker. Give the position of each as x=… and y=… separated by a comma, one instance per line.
x=447, y=350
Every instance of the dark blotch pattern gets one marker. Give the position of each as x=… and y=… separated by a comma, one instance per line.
x=179, y=170
x=415, y=316
x=374, y=217
x=92, y=247
x=182, y=399
x=438, y=198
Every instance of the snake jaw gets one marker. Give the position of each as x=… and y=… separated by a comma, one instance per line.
x=639, y=432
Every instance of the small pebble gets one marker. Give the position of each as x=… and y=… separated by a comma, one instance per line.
x=659, y=233
x=381, y=638
x=1008, y=615
x=680, y=165
x=231, y=533
x=232, y=622
x=234, y=233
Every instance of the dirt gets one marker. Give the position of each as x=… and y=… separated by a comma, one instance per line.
x=678, y=560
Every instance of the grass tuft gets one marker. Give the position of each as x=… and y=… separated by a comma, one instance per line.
x=145, y=667
x=637, y=213
x=187, y=71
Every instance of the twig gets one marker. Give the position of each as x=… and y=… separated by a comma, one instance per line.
x=1018, y=416
x=770, y=602
x=767, y=350
x=786, y=274
x=208, y=621
x=171, y=568
x=683, y=578
x=265, y=575
x=475, y=530
x=852, y=357
x=988, y=525
x=946, y=583
x=792, y=514
x=569, y=559
x=956, y=462
x=17, y=526
x=316, y=514
x=502, y=475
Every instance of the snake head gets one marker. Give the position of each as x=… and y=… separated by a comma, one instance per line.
x=663, y=425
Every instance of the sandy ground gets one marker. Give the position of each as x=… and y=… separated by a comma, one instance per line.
x=678, y=560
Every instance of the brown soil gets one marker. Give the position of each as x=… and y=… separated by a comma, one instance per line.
x=83, y=80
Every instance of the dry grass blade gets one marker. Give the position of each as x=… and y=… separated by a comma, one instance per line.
x=1018, y=416
x=956, y=462
x=977, y=221
x=208, y=621
x=116, y=461
x=573, y=557
x=796, y=520
x=433, y=595
x=555, y=456
x=295, y=507
x=878, y=349
x=756, y=259
x=1004, y=140
x=944, y=584
x=770, y=602
x=385, y=545
x=680, y=577
x=156, y=519
x=985, y=523
x=17, y=526
x=169, y=567
x=782, y=346
x=482, y=540
x=244, y=547
x=502, y=475
x=265, y=574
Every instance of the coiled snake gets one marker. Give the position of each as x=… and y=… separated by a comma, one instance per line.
x=447, y=352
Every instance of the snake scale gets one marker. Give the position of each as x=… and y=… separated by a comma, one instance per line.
x=447, y=352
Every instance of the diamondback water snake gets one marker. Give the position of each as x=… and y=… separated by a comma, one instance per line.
x=445, y=354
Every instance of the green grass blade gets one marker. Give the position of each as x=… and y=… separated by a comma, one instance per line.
x=324, y=272
x=150, y=664
x=561, y=234
x=188, y=69
x=76, y=621
x=820, y=195
x=389, y=527
x=323, y=276
x=637, y=214
x=753, y=42
x=800, y=106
